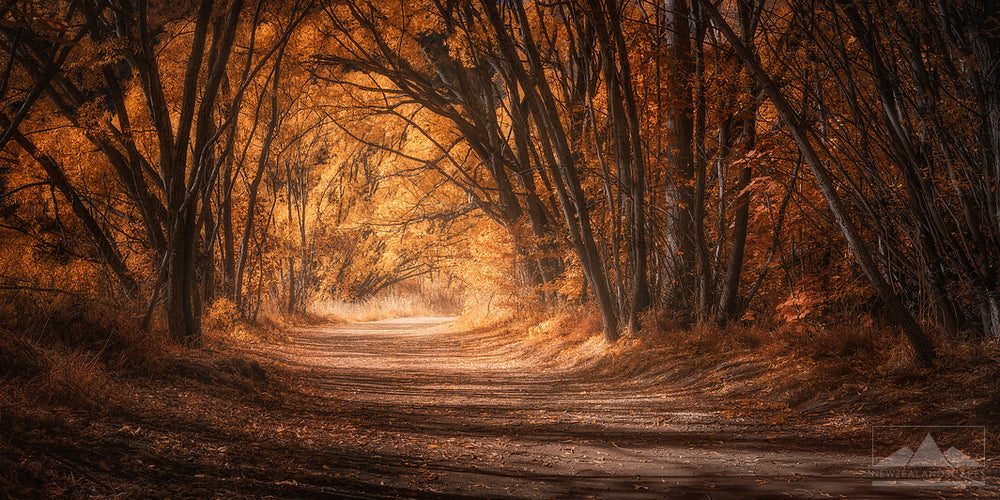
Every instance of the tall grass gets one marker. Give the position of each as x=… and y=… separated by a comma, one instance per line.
x=383, y=306
x=61, y=348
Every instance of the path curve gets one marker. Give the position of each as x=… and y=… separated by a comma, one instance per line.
x=430, y=410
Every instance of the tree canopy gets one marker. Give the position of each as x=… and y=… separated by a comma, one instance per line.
x=713, y=161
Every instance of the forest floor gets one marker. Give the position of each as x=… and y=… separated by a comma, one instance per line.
x=418, y=408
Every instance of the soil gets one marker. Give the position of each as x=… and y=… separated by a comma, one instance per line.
x=416, y=408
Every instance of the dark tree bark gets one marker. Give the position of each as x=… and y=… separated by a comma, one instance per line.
x=680, y=203
x=628, y=145
x=729, y=300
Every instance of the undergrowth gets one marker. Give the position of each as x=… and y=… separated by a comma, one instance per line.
x=808, y=365
x=63, y=357
x=222, y=324
x=63, y=348
x=77, y=351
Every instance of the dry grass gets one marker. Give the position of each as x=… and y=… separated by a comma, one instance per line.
x=806, y=366
x=222, y=324
x=61, y=350
x=77, y=376
x=76, y=353
x=384, y=306
x=563, y=338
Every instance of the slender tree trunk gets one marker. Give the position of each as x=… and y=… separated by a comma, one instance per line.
x=705, y=281
x=729, y=303
x=558, y=157
x=291, y=285
x=631, y=155
x=680, y=128
x=262, y=161
x=228, y=238
x=912, y=163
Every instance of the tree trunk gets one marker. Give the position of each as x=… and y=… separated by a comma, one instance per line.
x=182, y=318
x=921, y=344
x=703, y=262
x=729, y=302
x=679, y=199
x=558, y=157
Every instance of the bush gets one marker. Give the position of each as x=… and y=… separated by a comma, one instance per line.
x=220, y=318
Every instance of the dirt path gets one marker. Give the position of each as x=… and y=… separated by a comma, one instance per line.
x=413, y=408
x=426, y=410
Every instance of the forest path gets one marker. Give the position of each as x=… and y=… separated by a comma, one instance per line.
x=412, y=407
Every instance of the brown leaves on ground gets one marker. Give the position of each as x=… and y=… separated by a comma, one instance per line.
x=393, y=409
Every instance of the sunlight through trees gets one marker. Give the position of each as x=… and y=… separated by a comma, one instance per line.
x=710, y=162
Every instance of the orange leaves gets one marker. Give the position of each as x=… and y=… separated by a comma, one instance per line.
x=798, y=307
x=763, y=183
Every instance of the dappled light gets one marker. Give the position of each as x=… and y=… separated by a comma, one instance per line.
x=478, y=249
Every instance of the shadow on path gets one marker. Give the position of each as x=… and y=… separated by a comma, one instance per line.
x=431, y=410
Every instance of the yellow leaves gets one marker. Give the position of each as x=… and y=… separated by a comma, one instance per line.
x=220, y=316
x=90, y=55
x=570, y=283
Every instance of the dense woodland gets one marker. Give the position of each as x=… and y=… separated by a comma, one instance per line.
x=712, y=162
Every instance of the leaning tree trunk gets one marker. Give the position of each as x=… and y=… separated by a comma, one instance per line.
x=921, y=343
